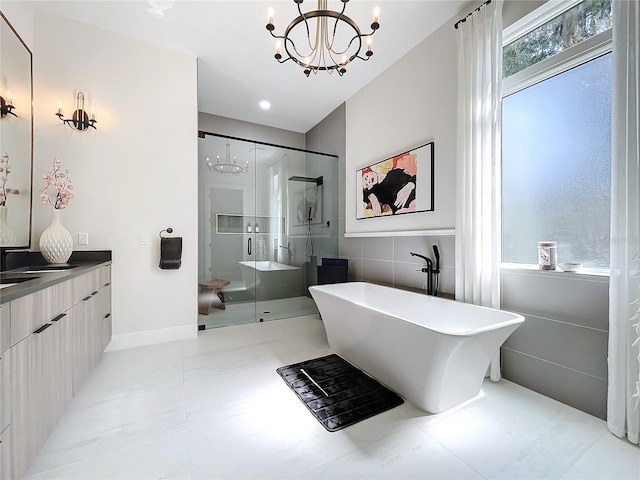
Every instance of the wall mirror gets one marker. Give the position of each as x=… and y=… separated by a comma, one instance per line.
x=16, y=138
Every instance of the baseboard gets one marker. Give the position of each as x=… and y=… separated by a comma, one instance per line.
x=151, y=337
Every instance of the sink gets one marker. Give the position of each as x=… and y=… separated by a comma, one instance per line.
x=4, y=280
x=9, y=281
x=48, y=268
x=53, y=266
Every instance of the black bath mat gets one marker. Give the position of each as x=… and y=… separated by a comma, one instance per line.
x=336, y=392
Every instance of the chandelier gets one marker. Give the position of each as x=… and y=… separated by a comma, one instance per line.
x=330, y=43
x=227, y=167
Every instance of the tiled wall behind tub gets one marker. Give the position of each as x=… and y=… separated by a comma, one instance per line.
x=387, y=260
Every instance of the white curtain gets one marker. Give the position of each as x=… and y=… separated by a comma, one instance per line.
x=623, y=411
x=478, y=175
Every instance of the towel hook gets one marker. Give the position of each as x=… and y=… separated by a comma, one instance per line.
x=168, y=230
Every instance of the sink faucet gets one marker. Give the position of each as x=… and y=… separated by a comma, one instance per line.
x=289, y=251
x=433, y=274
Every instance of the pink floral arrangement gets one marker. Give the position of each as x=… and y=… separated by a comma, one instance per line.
x=59, y=179
x=5, y=170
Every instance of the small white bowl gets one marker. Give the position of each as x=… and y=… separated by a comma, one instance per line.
x=570, y=267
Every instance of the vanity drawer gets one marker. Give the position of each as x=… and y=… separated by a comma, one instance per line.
x=34, y=310
x=5, y=327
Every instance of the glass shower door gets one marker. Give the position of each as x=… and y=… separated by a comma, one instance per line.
x=263, y=231
x=227, y=179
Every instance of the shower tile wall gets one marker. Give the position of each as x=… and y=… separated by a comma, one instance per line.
x=386, y=260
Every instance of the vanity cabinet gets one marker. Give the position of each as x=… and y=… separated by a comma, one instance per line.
x=5, y=454
x=56, y=337
x=31, y=385
x=5, y=391
x=5, y=366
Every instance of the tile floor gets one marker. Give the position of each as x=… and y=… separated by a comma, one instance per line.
x=214, y=408
x=241, y=313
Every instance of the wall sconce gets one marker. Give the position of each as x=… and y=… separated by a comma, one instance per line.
x=80, y=119
x=6, y=106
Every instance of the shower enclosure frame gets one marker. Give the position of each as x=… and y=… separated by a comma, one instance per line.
x=293, y=169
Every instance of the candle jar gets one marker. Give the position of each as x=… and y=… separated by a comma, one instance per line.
x=547, y=255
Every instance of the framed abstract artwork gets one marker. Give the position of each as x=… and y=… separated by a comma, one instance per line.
x=401, y=184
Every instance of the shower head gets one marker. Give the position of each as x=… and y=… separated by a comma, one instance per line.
x=317, y=181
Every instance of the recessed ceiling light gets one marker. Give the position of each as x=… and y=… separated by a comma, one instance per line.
x=265, y=105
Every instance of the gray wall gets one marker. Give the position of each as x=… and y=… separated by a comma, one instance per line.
x=249, y=131
x=386, y=260
x=329, y=136
x=561, y=349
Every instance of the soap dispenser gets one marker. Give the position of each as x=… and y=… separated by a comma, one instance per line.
x=257, y=228
x=249, y=230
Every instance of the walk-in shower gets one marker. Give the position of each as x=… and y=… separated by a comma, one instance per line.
x=262, y=228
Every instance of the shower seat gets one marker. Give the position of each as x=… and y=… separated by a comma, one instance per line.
x=211, y=295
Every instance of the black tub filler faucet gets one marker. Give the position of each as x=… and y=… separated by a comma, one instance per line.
x=433, y=274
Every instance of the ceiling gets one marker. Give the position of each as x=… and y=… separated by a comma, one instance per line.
x=236, y=68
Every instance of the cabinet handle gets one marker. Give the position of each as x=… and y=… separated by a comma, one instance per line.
x=42, y=328
x=107, y=316
x=59, y=317
x=249, y=246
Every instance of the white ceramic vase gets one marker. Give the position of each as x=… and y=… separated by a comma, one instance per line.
x=7, y=234
x=56, y=243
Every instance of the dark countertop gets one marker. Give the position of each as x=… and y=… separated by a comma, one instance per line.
x=21, y=262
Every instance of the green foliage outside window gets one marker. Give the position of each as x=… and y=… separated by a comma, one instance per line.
x=577, y=24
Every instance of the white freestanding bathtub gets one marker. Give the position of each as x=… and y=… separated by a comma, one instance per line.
x=432, y=351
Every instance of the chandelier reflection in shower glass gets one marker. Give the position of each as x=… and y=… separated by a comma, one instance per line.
x=228, y=166
x=329, y=43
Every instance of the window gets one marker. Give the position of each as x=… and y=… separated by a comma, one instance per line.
x=556, y=147
x=579, y=23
